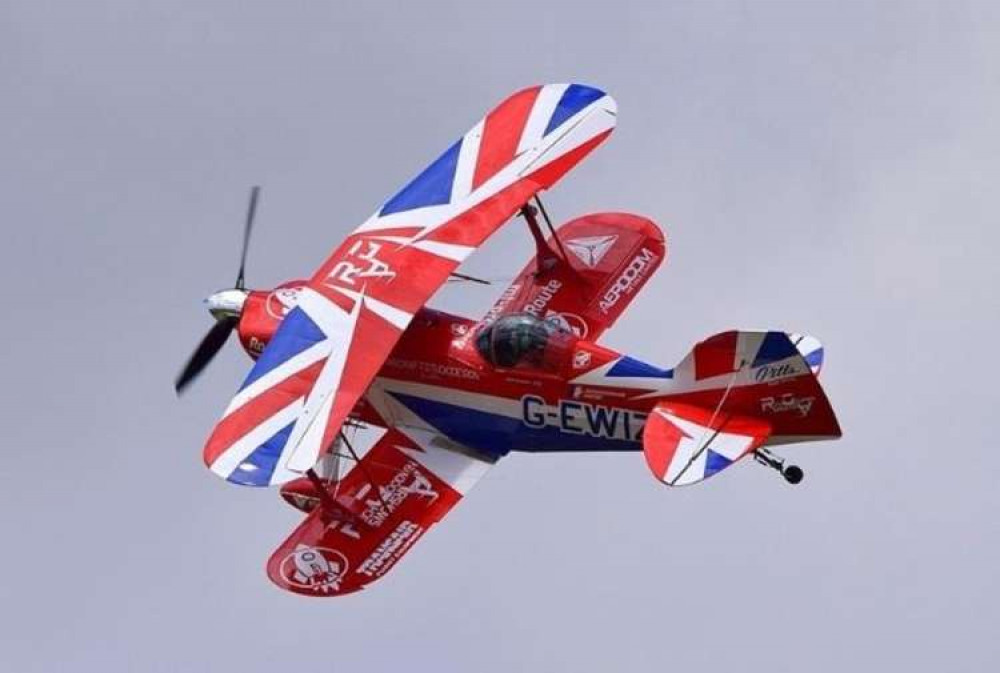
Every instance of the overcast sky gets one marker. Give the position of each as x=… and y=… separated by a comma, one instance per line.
x=825, y=167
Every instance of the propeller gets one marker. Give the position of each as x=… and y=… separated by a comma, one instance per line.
x=251, y=212
x=225, y=306
x=206, y=350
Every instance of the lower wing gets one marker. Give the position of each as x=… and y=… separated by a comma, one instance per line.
x=369, y=519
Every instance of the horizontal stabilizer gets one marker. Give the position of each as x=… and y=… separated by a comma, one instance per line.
x=685, y=444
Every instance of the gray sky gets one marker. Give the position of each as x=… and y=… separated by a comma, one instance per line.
x=821, y=167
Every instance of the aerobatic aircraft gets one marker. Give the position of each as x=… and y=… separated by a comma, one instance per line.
x=355, y=345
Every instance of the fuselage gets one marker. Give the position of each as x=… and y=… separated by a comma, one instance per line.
x=437, y=379
x=436, y=375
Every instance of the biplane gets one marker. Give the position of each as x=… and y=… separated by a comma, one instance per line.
x=448, y=396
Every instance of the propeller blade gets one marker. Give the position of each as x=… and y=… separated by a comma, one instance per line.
x=206, y=350
x=251, y=211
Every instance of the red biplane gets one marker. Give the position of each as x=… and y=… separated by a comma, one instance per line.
x=355, y=345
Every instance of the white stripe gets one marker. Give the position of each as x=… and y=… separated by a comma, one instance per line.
x=329, y=317
x=459, y=470
x=468, y=157
x=394, y=316
x=452, y=251
x=311, y=442
x=730, y=445
x=540, y=115
x=401, y=240
x=747, y=345
x=294, y=364
x=304, y=456
x=599, y=377
x=353, y=295
x=318, y=309
x=591, y=121
x=491, y=404
x=418, y=217
x=231, y=458
x=582, y=127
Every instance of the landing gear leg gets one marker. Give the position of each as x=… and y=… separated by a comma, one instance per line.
x=332, y=510
x=792, y=473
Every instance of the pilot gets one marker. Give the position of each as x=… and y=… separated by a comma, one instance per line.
x=517, y=339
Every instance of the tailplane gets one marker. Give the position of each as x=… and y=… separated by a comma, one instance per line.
x=735, y=393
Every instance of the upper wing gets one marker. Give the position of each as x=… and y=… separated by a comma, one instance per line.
x=609, y=257
x=329, y=348
x=401, y=487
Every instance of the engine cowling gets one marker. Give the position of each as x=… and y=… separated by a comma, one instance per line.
x=263, y=311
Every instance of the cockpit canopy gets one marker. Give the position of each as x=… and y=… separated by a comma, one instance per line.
x=524, y=340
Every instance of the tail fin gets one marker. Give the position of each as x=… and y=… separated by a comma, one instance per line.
x=760, y=375
x=811, y=349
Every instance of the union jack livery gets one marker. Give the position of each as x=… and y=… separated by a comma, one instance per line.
x=442, y=398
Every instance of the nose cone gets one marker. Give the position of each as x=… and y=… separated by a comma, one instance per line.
x=226, y=303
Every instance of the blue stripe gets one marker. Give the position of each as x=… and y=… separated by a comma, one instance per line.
x=815, y=359
x=296, y=333
x=575, y=98
x=776, y=346
x=631, y=367
x=496, y=434
x=430, y=188
x=490, y=433
x=262, y=461
x=715, y=462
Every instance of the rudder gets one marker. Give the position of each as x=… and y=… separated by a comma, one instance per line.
x=759, y=374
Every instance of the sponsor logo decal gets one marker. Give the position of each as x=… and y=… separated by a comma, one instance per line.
x=408, y=481
x=787, y=402
x=591, y=249
x=581, y=359
x=542, y=298
x=630, y=278
x=281, y=301
x=361, y=262
x=256, y=345
x=315, y=568
x=505, y=299
x=434, y=369
x=775, y=371
x=582, y=418
x=390, y=549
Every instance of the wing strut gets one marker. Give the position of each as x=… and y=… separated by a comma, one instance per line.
x=546, y=256
x=462, y=276
x=548, y=223
x=368, y=475
x=331, y=508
